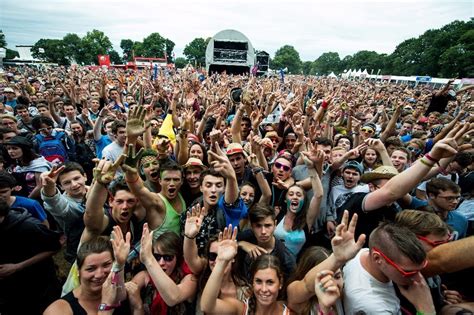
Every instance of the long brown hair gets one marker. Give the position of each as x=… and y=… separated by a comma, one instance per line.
x=263, y=262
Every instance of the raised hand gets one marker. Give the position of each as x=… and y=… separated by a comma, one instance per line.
x=220, y=162
x=344, y=246
x=162, y=146
x=132, y=159
x=227, y=244
x=326, y=290
x=376, y=144
x=104, y=171
x=193, y=221
x=120, y=245
x=253, y=250
x=51, y=177
x=136, y=122
x=146, y=251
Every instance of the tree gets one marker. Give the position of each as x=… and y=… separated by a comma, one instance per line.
x=154, y=45
x=327, y=63
x=287, y=57
x=180, y=62
x=9, y=53
x=95, y=43
x=115, y=57
x=54, y=51
x=3, y=42
x=195, y=51
x=169, y=44
x=127, y=47
x=307, y=67
x=73, y=47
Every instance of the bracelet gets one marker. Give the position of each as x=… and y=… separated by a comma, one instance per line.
x=257, y=170
x=429, y=157
x=132, y=181
x=422, y=161
x=320, y=312
x=116, y=267
x=190, y=238
x=422, y=313
x=324, y=104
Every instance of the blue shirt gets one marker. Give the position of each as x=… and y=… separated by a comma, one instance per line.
x=101, y=144
x=33, y=207
x=233, y=213
x=459, y=224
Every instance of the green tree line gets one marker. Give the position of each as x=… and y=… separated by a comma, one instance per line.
x=444, y=52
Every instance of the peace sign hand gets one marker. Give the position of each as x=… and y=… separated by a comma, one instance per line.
x=50, y=178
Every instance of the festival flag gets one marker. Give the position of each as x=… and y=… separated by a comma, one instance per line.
x=274, y=117
x=104, y=60
x=167, y=129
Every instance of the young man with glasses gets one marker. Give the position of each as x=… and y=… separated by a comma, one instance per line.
x=444, y=196
x=395, y=256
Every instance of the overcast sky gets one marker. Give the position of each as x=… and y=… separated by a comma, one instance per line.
x=311, y=26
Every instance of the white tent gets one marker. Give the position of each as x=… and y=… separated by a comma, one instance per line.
x=332, y=75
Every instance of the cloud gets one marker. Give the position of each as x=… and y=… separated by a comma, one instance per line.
x=312, y=27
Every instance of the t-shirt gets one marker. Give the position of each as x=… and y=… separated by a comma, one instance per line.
x=368, y=220
x=437, y=104
x=363, y=294
x=33, y=207
x=340, y=194
x=112, y=152
x=101, y=144
x=459, y=224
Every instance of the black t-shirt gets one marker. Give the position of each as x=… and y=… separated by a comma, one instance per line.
x=367, y=221
x=437, y=104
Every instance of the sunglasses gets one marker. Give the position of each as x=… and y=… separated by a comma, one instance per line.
x=212, y=256
x=368, y=130
x=280, y=166
x=167, y=258
x=404, y=273
x=435, y=243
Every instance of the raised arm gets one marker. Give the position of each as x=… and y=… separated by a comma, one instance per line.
x=378, y=146
x=404, y=182
x=222, y=165
x=236, y=125
x=94, y=218
x=344, y=249
x=190, y=250
x=314, y=161
x=210, y=302
x=171, y=292
x=392, y=123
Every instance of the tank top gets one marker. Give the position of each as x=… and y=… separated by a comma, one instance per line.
x=286, y=310
x=76, y=308
x=171, y=221
x=293, y=240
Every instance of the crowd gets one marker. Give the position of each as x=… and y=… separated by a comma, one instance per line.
x=134, y=192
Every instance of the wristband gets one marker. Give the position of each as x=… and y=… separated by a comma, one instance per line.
x=422, y=161
x=132, y=181
x=257, y=170
x=106, y=307
x=116, y=267
x=422, y=313
x=320, y=312
x=324, y=104
x=190, y=238
x=429, y=157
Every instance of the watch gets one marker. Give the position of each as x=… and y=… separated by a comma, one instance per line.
x=105, y=307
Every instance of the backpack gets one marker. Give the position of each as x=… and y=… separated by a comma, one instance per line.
x=56, y=149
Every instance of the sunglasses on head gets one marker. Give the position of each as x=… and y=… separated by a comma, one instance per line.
x=404, y=273
x=166, y=258
x=280, y=166
x=368, y=130
x=435, y=243
x=212, y=256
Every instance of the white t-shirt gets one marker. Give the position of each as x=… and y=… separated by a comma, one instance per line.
x=363, y=294
x=340, y=194
x=112, y=152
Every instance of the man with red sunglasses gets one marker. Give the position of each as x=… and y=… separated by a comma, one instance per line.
x=395, y=256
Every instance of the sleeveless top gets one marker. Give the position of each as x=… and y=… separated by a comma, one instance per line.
x=77, y=309
x=73, y=301
x=286, y=310
x=293, y=240
x=171, y=220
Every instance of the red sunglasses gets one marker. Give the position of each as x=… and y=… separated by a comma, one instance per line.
x=434, y=243
x=404, y=273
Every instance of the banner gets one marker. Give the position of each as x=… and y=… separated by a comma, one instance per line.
x=104, y=60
